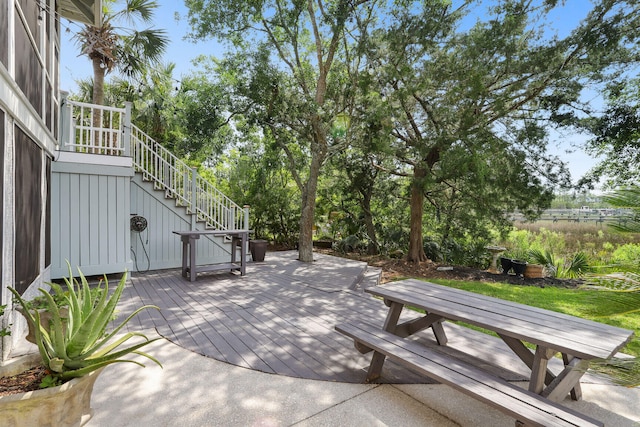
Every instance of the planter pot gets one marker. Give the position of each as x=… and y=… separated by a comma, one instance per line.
x=323, y=244
x=507, y=264
x=534, y=271
x=258, y=250
x=63, y=406
x=519, y=267
x=45, y=318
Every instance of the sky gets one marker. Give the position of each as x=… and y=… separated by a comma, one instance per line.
x=181, y=52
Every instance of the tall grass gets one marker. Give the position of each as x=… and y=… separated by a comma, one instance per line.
x=606, y=249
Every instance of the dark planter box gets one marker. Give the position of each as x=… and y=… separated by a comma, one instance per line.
x=258, y=250
x=506, y=263
x=323, y=244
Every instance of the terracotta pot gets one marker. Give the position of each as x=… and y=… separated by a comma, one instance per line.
x=63, y=406
x=45, y=318
x=534, y=271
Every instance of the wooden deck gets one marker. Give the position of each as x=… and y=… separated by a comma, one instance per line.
x=280, y=318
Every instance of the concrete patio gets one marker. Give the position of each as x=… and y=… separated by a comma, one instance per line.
x=261, y=350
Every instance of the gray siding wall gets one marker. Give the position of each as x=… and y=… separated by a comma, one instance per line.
x=90, y=216
x=92, y=203
x=157, y=242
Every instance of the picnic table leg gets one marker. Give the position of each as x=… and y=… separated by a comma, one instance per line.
x=432, y=320
x=567, y=381
x=390, y=323
x=539, y=368
x=525, y=355
x=576, y=391
x=438, y=331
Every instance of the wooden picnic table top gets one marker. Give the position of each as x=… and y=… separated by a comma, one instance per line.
x=572, y=335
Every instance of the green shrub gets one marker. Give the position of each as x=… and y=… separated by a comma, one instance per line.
x=626, y=254
x=4, y=331
x=80, y=344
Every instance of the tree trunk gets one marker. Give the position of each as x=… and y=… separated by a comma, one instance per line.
x=98, y=81
x=372, y=247
x=98, y=98
x=416, y=246
x=305, y=241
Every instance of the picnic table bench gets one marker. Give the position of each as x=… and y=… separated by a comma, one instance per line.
x=578, y=340
x=189, y=240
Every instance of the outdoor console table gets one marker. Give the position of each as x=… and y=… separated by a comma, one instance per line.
x=578, y=341
x=188, y=238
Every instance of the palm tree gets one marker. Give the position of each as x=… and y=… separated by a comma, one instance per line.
x=623, y=294
x=128, y=50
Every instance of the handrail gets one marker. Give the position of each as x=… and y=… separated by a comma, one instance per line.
x=174, y=176
x=95, y=129
x=98, y=129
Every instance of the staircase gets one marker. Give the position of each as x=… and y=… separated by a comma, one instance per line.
x=94, y=129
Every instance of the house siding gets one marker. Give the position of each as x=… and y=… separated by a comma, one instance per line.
x=90, y=210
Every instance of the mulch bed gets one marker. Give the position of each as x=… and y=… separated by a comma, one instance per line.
x=26, y=381
x=395, y=269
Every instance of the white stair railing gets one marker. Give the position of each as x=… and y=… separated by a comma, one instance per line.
x=183, y=183
x=96, y=129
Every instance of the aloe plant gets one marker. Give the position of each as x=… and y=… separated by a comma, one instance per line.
x=79, y=343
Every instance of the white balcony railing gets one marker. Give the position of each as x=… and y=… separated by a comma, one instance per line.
x=95, y=129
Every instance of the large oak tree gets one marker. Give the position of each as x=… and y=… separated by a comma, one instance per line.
x=294, y=47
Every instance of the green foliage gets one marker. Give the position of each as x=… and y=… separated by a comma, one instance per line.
x=50, y=381
x=615, y=138
x=130, y=51
x=60, y=298
x=625, y=372
x=626, y=253
x=4, y=330
x=576, y=266
x=258, y=176
x=628, y=197
x=80, y=344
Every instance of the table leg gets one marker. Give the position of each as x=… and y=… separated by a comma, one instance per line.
x=576, y=391
x=539, y=368
x=525, y=355
x=390, y=323
x=427, y=321
x=234, y=244
x=185, y=249
x=568, y=381
x=192, y=258
x=243, y=254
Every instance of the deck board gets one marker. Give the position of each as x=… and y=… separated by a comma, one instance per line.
x=279, y=318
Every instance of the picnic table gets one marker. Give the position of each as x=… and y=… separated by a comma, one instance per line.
x=579, y=341
x=189, y=252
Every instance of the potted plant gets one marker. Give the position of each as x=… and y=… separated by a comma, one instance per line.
x=40, y=304
x=73, y=350
x=506, y=264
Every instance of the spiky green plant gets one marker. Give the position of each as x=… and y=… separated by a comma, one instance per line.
x=622, y=293
x=80, y=344
x=545, y=258
x=577, y=266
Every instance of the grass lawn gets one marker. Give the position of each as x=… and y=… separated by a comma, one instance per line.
x=575, y=302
